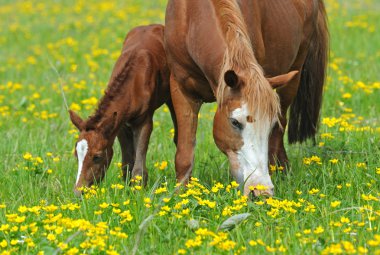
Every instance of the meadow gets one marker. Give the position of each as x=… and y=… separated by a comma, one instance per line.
x=59, y=54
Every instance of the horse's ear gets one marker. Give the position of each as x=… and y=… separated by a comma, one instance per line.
x=76, y=120
x=109, y=125
x=232, y=79
x=281, y=80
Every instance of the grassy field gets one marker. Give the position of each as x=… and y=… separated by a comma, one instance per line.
x=327, y=204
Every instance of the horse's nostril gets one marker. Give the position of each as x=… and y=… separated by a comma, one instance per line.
x=258, y=193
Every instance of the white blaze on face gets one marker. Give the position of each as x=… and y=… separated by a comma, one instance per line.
x=253, y=155
x=82, y=148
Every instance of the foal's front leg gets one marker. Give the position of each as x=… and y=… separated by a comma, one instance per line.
x=141, y=136
x=186, y=111
x=125, y=137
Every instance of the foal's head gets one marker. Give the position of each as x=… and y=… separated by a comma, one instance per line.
x=93, y=149
x=247, y=112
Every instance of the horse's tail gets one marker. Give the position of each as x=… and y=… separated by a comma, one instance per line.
x=305, y=110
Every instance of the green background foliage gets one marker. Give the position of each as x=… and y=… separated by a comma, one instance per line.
x=328, y=203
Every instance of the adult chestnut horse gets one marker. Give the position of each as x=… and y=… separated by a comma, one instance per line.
x=223, y=50
x=139, y=84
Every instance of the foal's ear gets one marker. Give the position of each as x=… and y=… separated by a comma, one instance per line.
x=281, y=80
x=76, y=120
x=232, y=79
x=109, y=125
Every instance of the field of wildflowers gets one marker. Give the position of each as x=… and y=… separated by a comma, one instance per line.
x=329, y=203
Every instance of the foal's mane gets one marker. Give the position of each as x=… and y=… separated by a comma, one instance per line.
x=113, y=90
x=239, y=56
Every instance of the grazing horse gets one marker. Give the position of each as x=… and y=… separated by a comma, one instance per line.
x=139, y=84
x=225, y=51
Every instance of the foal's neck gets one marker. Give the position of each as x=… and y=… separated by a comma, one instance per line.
x=119, y=95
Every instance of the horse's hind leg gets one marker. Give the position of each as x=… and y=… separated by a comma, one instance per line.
x=125, y=137
x=141, y=136
x=169, y=103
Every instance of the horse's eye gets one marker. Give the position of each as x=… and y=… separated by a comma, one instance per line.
x=236, y=124
x=97, y=159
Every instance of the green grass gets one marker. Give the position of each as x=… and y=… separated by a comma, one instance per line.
x=81, y=42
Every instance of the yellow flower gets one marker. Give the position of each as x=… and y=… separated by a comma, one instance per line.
x=327, y=135
x=72, y=251
x=160, y=190
x=313, y=191
x=3, y=243
x=126, y=215
x=166, y=199
x=185, y=211
x=270, y=249
x=307, y=231
x=192, y=243
x=319, y=230
x=346, y=95
x=181, y=251
x=335, y=204
x=73, y=68
x=259, y=202
x=116, y=210
x=27, y=156
x=103, y=205
x=162, y=165
x=361, y=165
x=51, y=237
x=117, y=186
x=252, y=243
x=258, y=187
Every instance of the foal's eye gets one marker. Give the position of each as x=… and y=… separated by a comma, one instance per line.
x=97, y=159
x=236, y=124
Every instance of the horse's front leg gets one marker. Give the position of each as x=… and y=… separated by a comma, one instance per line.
x=277, y=152
x=186, y=111
x=141, y=136
x=125, y=137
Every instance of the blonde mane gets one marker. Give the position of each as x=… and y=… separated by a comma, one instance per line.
x=262, y=100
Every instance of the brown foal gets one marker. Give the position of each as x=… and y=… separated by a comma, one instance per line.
x=224, y=51
x=139, y=84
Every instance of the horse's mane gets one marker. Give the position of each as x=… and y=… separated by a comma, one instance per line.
x=239, y=56
x=113, y=90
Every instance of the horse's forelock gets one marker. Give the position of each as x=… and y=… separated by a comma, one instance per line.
x=262, y=101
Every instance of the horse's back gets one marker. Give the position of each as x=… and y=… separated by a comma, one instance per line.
x=278, y=29
x=146, y=40
x=143, y=52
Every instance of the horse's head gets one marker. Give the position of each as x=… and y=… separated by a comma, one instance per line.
x=242, y=125
x=93, y=150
